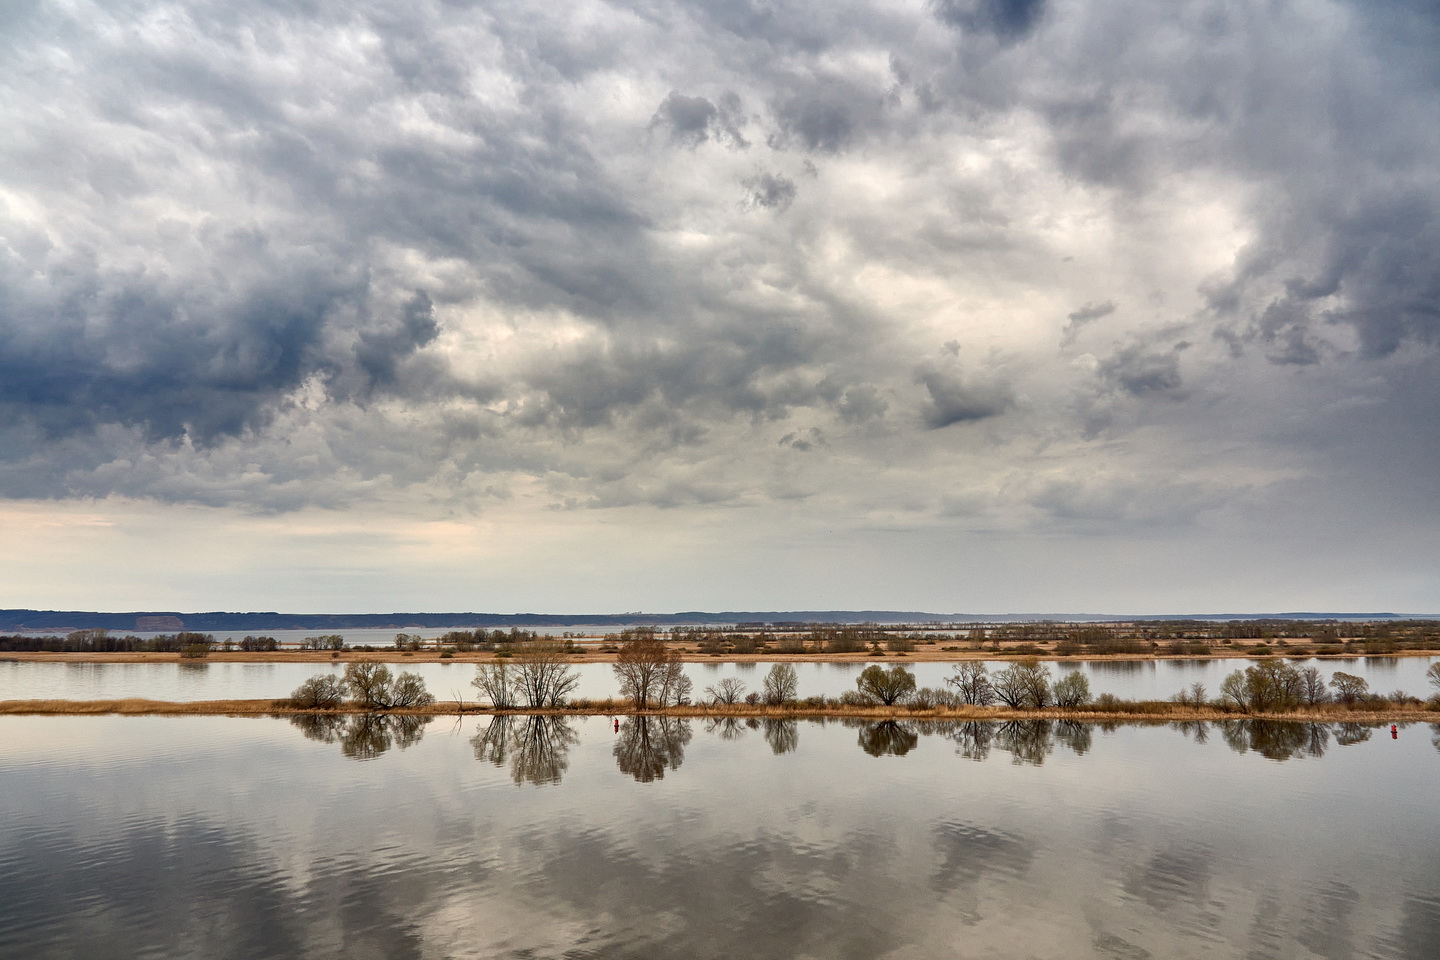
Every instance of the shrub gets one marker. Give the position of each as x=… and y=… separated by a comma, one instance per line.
x=1349, y=689
x=1072, y=690
x=374, y=687
x=889, y=687
x=319, y=693
x=409, y=691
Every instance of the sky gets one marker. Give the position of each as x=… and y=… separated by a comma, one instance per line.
x=975, y=306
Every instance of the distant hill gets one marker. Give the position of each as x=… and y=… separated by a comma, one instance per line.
x=64, y=620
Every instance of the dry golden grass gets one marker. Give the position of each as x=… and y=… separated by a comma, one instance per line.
x=1146, y=711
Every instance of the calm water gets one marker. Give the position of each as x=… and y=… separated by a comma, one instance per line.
x=1134, y=679
x=218, y=837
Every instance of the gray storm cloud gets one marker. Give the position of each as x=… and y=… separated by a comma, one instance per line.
x=273, y=255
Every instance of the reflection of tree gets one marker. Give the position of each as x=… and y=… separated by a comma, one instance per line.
x=1434, y=735
x=726, y=728
x=1029, y=741
x=1199, y=730
x=1076, y=736
x=325, y=727
x=782, y=735
x=536, y=747
x=1276, y=739
x=1347, y=734
x=648, y=746
x=492, y=742
x=363, y=736
x=542, y=747
x=972, y=738
x=888, y=738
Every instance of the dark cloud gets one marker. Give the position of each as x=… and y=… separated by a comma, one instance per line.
x=288, y=254
x=1008, y=19
x=695, y=120
x=1085, y=315
x=825, y=112
x=956, y=399
x=1140, y=369
x=769, y=191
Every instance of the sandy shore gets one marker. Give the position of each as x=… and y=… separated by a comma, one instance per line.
x=919, y=655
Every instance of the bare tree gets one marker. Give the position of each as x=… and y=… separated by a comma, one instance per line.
x=971, y=680
x=1312, y=686
x=545, y=677
x=496, y=683
x=675, y=686
x=1024, y=685
x=369, y=683
x=728, y=691
x=781, y=684
x=646, y=668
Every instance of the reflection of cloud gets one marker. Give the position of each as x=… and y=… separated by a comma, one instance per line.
x=971, y=855
x=752, y=855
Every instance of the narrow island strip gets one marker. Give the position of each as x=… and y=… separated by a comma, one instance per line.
x=1119, y=711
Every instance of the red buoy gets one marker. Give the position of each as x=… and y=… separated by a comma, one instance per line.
x=1394, y=732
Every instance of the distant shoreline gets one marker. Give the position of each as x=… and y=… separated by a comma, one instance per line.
x=689, y=656
x=29, y=620
x=1142, y=712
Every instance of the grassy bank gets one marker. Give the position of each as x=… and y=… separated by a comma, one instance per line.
x=1127, y=711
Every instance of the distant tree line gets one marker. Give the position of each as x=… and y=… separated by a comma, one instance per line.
x=97, y=640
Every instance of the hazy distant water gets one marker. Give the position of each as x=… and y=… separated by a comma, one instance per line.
x=1136, y=679
x=217, y=837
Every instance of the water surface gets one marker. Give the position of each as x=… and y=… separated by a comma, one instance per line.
x=381, y=837
x=1132, y=679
